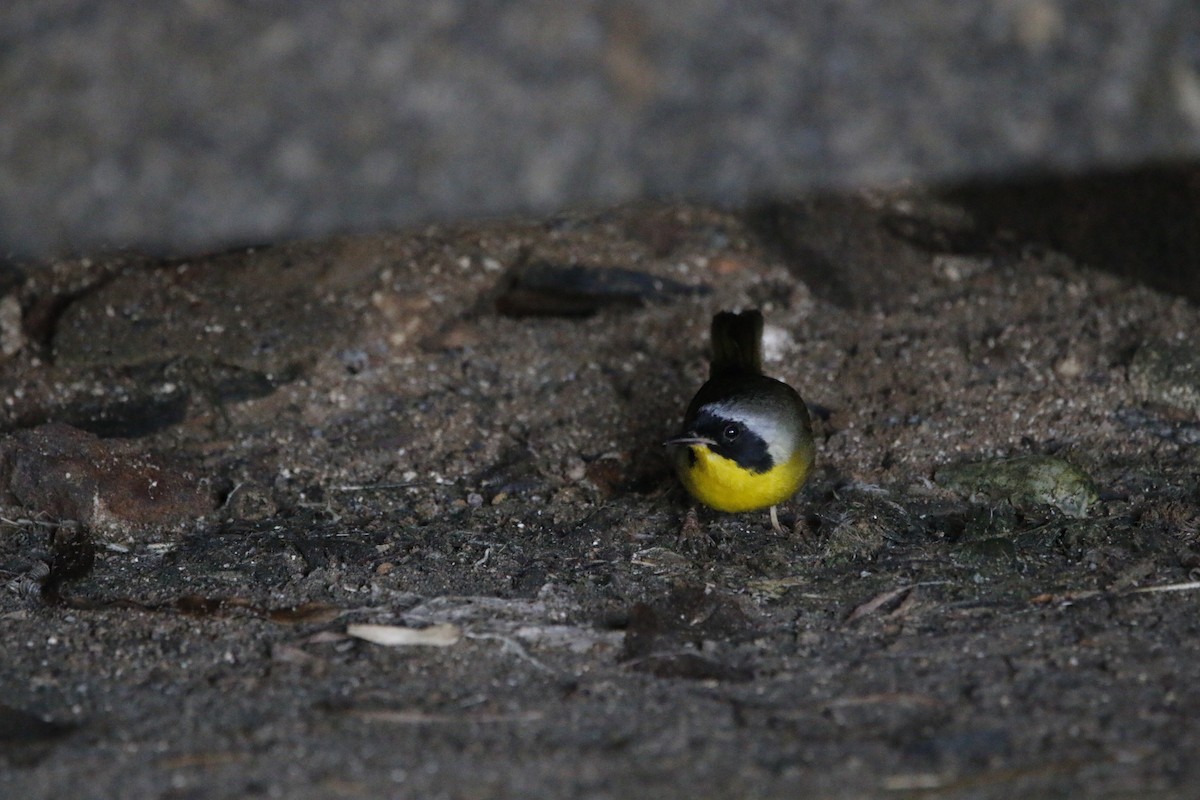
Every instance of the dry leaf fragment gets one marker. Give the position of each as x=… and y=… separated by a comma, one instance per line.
x=877, y=602
x=442, y=635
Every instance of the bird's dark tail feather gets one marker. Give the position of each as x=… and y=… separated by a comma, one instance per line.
x=737, y=342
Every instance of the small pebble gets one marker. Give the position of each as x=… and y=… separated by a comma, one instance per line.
x=1168, y=374
x=1069, y=368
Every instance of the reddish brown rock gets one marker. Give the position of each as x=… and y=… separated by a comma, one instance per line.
x=110, y=485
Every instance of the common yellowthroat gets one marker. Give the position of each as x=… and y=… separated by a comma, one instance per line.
x=746, y=442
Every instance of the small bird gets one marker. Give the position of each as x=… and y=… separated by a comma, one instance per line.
x=746, y=442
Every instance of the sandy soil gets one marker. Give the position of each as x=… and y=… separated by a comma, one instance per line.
x=456, y=433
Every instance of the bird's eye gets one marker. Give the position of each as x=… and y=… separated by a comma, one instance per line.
x=731, y=432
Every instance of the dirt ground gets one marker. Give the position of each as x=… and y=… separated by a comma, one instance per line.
x=456, y=432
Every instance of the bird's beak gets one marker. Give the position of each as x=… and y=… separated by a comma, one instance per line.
x=689, y=439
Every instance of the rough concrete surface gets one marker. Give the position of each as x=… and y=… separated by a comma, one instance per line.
x=455, y=433
x=193, y=126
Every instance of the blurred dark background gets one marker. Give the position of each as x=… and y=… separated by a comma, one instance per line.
x=198, y=125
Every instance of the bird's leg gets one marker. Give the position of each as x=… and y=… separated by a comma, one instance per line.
x=775, y=521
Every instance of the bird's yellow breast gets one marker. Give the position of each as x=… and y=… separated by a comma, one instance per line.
x=723, y=484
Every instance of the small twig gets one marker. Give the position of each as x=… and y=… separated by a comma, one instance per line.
x=45, y=523
x=372, y=487
x=877, y=602
x=1088, y=594
x=1170, y=587
x=880, y=600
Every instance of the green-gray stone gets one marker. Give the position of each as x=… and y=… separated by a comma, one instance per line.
x=1025, y=481
x=1168, y=374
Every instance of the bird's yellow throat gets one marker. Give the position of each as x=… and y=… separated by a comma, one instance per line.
x=723, y=484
